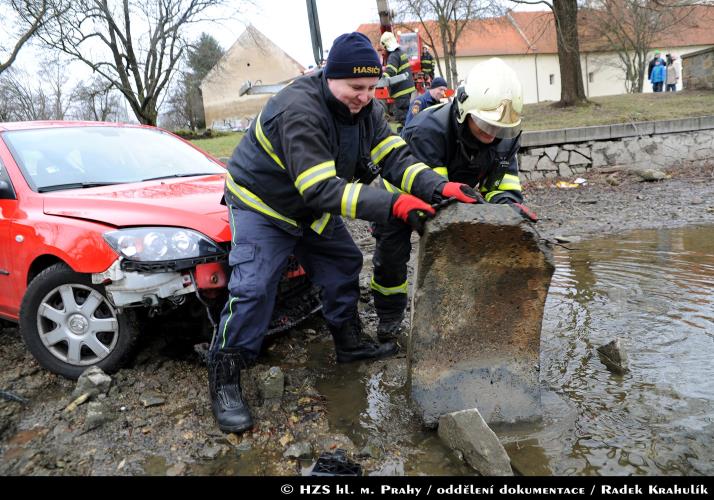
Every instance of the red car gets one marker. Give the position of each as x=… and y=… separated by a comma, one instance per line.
x=103, y=224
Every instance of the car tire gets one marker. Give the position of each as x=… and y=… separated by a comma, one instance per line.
x=69, y=325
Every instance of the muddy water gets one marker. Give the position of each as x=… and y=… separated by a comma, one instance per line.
x=654, y=290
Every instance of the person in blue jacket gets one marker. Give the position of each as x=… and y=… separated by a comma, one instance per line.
x=433, y=96
x=658, y=76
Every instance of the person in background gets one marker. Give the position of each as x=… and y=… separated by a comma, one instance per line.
x=658, y=75
x=306, y=161
x=474, y=140
x=398, y=64
x=433, y=96
x=427, y=62
x=674, y=73
x=651, y=65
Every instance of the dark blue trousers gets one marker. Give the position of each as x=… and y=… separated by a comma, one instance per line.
x=259, y=255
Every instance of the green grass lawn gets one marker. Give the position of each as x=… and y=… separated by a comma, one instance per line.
x=219, y=147
x=623, y=108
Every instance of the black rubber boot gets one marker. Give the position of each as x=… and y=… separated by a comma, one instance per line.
x=389, y=330
x=231, y=412
x=351, y=344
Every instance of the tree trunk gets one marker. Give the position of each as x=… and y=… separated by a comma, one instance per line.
x=572, y=91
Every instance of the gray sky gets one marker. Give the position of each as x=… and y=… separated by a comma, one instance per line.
x=285, y=23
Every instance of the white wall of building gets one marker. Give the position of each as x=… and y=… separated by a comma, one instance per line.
x=540, y=73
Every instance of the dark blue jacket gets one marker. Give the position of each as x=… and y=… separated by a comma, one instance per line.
x=422, y=102
x=306, y=158
x=437, y=139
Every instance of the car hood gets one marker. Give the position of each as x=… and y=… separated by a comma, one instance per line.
x=193, y=203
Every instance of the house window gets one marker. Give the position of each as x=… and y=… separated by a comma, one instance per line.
x=591, y=77
x=552, y=79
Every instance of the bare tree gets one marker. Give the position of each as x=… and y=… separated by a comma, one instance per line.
x=441, y=22
x=135, y=45
x=97, y=100
x=27, y=16
x=631, y=28
x=22, y=98
x=565, y=12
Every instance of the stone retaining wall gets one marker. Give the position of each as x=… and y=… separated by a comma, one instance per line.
x=698, y=69
x=570, y=152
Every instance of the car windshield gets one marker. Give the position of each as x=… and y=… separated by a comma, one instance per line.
x=76, y=157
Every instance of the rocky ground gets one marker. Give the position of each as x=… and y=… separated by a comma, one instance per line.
x=154, y=416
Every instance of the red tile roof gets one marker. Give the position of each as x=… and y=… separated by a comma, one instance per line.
x=534, y=32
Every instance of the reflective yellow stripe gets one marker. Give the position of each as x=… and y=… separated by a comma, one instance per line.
x=443, y=171
x=318, y=225
x=315, y=174
x=349, y=199
x=385, y=147
x=410, y=174
x=510, y=183
x=490, y=195
x=389, y=66
x=265, y=143
x=391, y=188
x=403, y=92
x=393, y=290
x=403, y=67
x=254, y=201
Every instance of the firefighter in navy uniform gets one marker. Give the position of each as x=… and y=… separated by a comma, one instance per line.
x=398, y=64
x=431, y=97
x=427, y=63
x=305, y=161
x=474, y=140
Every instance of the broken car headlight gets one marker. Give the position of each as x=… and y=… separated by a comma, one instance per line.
x=157, y=244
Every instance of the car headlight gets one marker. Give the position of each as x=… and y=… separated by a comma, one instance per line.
x=157, y=244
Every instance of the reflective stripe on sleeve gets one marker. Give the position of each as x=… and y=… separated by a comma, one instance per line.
x=385, y=147
x=392, y=290
x=253, y=200
x=410, y=174
x=393, y=68
x=265, y=143
x=391, y=188
x=489, y=196
x=403, y=92
x=443, y=171
x=315, y=174
x=350, y=196
x=318, y=225
x=510, y=183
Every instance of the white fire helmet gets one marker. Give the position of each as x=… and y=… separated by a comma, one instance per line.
x=389, y=41
x=493, y=96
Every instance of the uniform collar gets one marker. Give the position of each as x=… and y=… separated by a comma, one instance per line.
x=339, y=110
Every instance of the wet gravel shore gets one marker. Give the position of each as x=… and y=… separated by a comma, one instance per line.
x=155, y=418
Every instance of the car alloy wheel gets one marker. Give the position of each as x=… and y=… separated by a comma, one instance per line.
x=68, y=323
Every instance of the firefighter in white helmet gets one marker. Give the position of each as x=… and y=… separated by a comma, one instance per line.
x=473, y=140
x=398, y=64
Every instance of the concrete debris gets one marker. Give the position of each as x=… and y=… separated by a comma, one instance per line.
x=468, y=434
x=614, y=357
x=93, y=381
x=481, y=283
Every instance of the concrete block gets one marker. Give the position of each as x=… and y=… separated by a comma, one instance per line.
x=706, y=122
x=582, y=134
x=481, y=283
x=466, y=432
x=635, y=129
x=681, y=125
x=543, y=138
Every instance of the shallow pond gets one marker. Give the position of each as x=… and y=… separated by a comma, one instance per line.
x=654, y=290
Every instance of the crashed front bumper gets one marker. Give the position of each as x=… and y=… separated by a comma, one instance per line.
x=147, y=289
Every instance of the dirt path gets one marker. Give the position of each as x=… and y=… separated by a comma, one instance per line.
x=156, y=418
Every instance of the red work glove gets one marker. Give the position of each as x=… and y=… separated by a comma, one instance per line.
x=462, y=192
x=524, y=212
x=413, y=211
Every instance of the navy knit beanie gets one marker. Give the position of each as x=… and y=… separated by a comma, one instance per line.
x=438, y=82
x=352, y=56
